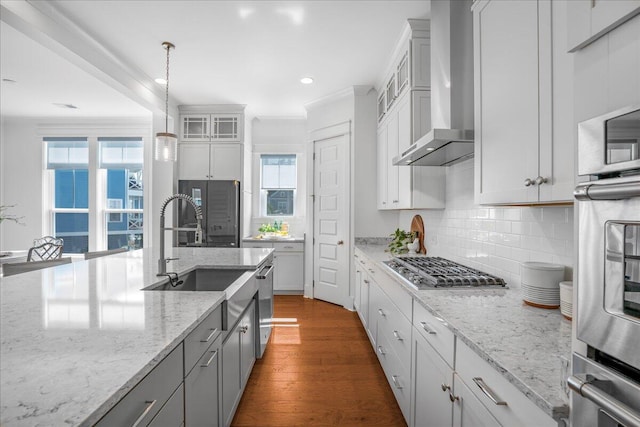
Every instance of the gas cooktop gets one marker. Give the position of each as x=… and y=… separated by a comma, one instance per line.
x=435, y=272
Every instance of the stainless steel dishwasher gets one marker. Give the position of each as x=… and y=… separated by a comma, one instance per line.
x=265, y=305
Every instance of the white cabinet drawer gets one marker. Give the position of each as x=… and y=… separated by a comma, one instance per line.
x=397, y=374
x=288, y=246
x=395, y=327
x=199, y=340
x=517, y=410
x=435, y=331
x=394, y=290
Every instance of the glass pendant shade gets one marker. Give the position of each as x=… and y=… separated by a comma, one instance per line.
x=166, y=147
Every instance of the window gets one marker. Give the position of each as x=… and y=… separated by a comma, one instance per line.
x=105, y=189
x=278, y=184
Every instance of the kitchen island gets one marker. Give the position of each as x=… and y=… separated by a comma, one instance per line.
x=524, y=345
x=76, y=338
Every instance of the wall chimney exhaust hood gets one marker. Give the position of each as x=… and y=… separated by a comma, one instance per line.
x=451, y=138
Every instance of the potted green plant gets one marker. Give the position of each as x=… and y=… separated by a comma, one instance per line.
x=400, y=238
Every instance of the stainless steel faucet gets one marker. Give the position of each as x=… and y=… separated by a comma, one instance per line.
x=162, y=262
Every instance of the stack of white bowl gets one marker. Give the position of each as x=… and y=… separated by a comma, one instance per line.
x=540, y=283
x=566, y=299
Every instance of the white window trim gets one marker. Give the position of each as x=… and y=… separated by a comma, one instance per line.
x=97, y=177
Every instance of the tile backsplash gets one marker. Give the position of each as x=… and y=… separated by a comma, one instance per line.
x=494, y=239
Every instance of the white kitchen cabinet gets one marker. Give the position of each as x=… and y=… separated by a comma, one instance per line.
x=588, y=20
x=432, y=386
x=288, y=262
x=219, y=127
x=467, y=409
x=238, y=357
x=407, y=187
x=210, y=161
x=523, y=145
x=515, y=409
x=363, y=283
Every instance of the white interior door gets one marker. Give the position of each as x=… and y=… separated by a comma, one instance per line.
x=331, y=219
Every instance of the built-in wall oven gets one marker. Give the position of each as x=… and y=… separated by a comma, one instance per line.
x=606, y=380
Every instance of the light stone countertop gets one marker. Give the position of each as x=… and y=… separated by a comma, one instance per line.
x=525, y=344
x=76, y=338
x=291, y=239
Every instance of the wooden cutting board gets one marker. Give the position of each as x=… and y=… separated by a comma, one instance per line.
x=418, y=226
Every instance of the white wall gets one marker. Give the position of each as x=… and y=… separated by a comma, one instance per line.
x=21, y=168
x=494, y=239
x=275, y=135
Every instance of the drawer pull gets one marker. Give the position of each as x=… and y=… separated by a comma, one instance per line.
x=213, y=332
x=372, y=271
x=213, y=356
x=488, y=392
x=397, y=335
x=427, y=328
x=366, y=281
x=381, y=313
x=381, y=350
x=288, y=247
x=396, y=383
x=145, y=413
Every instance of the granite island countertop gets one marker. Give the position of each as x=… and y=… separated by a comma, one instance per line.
x=523, y=343
x=289, y=239
x=76, y=338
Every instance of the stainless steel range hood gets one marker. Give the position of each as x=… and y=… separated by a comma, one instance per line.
x=451, y=137
x=439, y=147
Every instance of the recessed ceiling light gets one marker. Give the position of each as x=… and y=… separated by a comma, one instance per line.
x=161, y=81
x=306, y=80
x=62, y=105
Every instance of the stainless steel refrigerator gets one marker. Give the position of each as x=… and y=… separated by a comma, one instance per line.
x=220, y=204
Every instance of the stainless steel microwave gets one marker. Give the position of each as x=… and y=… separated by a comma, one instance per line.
x=609, y=145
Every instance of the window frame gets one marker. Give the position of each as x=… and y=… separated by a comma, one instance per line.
x=97, y=210
x=263, y=191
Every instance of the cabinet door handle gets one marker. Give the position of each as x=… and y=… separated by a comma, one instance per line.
x=488, y=392
x=541, y=180
x=528, y=182
x=427, y=328
x=453, y=398
x=213, y=356
x=366, y=281
x=213, y=332
x=445, y=387
x=341, y=242
x=396, y=383
x=381, y=313
x=146, y=411
x=244, y=329
x=397, y=335
x=381, y=350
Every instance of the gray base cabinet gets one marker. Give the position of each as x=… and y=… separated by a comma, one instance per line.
x=201, y=390
x=238, y=357
x=145, y=401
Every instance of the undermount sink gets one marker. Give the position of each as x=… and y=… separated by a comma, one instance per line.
x=204, y=279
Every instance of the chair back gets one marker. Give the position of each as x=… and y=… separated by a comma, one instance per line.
x=11, y=268
x=97, y=254
x=45, y=248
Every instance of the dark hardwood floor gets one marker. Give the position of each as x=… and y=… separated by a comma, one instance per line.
x=319, y=369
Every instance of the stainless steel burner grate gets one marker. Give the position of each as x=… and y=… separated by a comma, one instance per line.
x=440, y=272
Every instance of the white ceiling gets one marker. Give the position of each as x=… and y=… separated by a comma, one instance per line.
x=232, y=52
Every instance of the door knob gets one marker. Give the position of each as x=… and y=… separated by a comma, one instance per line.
x=341, y=242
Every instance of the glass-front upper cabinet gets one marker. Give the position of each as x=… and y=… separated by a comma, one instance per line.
x=196, y=128
x=210, y=127
x=403, y=73
x=391, y=91
x=225, y=128
x=382, y=106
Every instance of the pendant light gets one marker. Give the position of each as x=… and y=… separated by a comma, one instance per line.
x=166, y=143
